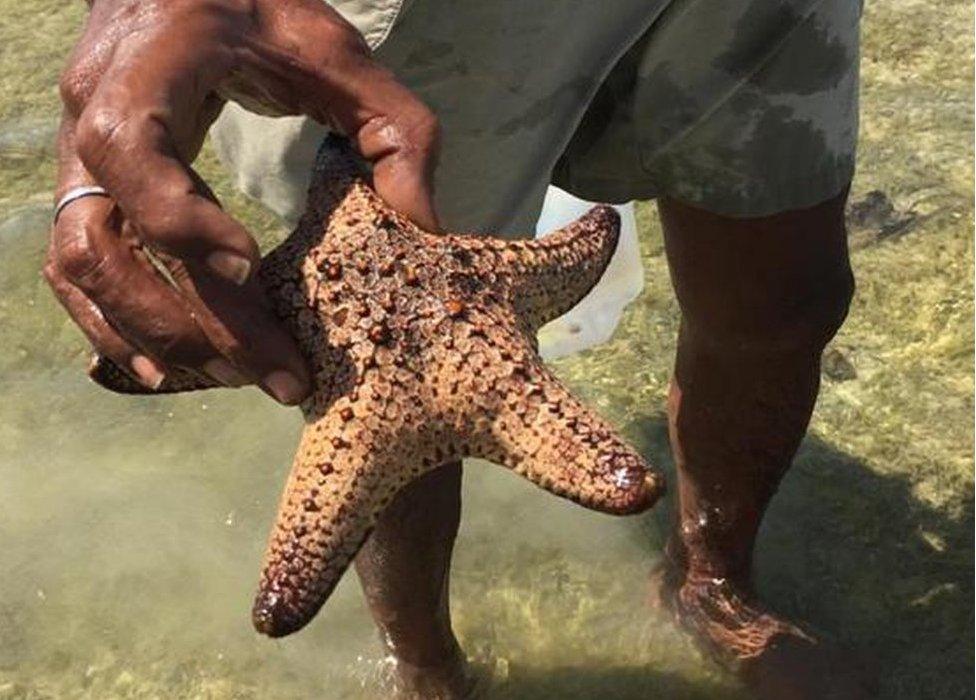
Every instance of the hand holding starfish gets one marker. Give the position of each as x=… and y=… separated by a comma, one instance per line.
x=142, y=87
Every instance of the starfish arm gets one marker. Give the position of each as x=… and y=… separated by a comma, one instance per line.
x=556, y=271
x=347, y=470
x=547, y=276
x=542, y=432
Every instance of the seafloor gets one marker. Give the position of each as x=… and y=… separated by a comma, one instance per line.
x=131, y=530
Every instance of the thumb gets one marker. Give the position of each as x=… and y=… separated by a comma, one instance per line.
x=404, y=155
x=345, y=87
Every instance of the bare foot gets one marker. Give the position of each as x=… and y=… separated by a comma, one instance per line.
x=774, y=658
x=452, y=680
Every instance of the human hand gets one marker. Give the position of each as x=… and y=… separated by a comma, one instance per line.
x=142, y=87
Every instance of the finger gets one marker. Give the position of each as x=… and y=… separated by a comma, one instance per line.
x=87, y=316
x=125, y=140
x=76, y=242
x=403, y=176
x=104, y=339
x=245, y=329
x=130, y=297
x=338, y=82
x=235, y=320
x=135, y=136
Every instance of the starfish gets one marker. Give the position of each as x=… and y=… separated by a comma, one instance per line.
x=422, y=348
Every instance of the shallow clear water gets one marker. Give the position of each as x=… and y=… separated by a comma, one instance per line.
x=134, y=529
x=131, y=529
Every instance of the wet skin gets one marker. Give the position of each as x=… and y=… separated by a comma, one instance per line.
x=759, y=299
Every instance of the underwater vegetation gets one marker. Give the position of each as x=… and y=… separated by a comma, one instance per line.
x=131, y=528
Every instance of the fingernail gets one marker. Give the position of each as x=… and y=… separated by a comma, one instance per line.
x=148, y=371
x=285, y=387
x=231, y=266
x=224, y=372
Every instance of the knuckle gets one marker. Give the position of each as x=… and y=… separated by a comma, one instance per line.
x=52, y=273
x=221, y=18
x=426, y=126
x=420, y=133
x=80, y=77
x=82, y=262
x=76, y=86
x=175, y=340
x=99, y=129
x=413, y=134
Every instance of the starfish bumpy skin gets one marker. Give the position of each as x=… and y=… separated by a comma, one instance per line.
x=422, y=349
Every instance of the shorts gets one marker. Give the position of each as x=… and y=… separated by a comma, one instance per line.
x=743, y=107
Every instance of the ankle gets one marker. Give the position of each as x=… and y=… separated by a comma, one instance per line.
x=446, y=678
x=697, y=564
x=426, y=653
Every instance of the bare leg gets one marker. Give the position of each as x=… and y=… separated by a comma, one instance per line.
x=759, y=300
x=404, y=570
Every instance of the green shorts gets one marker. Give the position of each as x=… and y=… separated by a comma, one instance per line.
x=741, y=107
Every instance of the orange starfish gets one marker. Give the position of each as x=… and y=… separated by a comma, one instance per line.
x=422, y=349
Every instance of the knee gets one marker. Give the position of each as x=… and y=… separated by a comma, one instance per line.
x=819, y=313
x=834, y=306
x=799, y=318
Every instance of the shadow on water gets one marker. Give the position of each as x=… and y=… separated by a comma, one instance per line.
x=863, y=560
